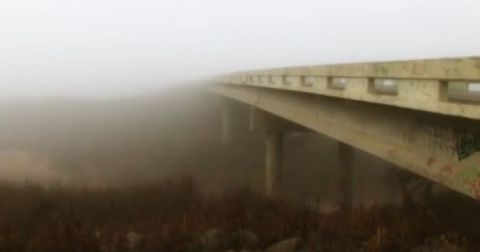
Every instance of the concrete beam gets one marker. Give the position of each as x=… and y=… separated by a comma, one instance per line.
x=441, y=148
x=260, y=120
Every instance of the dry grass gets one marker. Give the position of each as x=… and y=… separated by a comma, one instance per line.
x=172, y=215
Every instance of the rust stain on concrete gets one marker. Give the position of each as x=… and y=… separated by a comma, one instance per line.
x=474, y=187
x=447, y=170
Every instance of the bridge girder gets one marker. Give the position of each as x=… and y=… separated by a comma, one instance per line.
x=439, y=147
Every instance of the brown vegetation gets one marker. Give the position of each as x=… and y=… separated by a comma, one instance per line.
x=174, y=215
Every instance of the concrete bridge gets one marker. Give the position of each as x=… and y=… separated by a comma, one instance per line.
x=423, y=115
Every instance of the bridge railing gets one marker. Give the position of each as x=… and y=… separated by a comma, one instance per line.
x=445, y=86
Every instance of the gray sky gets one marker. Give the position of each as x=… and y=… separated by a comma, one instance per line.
x=119, y=47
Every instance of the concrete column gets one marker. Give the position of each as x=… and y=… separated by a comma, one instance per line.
x=273, y=162
x=227, y=120
x=345, y=161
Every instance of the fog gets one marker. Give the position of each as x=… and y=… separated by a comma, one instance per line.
x=110, y=139
x=121, y=48
x=103, y=93
x=98, y=143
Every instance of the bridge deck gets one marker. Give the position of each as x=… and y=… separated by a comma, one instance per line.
x=444, y=86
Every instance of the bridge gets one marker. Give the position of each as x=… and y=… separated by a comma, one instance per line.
x=422, y=115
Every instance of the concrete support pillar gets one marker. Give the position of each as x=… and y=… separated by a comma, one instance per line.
x=227, y=120
x=345, y=161
x=273, y=162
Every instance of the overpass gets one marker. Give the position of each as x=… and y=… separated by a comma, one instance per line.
x=422, y=115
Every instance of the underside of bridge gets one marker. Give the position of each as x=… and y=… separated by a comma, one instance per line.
x=441, y=148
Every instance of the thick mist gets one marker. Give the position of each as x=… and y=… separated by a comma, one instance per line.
x=119, y=48
x=110, y=139
x=145, y=139
x=107, y=93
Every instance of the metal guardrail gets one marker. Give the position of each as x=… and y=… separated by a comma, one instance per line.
x=445, y=86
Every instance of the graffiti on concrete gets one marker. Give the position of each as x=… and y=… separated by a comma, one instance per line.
x=460, y=140
x=467, y=144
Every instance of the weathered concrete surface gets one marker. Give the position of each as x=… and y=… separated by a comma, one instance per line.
x=262, y=121
x=428, y=85
x=442, y=148
x=447, y=69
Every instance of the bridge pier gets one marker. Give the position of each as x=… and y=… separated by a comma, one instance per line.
x=345, y=162
x=227, y=120
x=273, y=162
x=275, y=128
